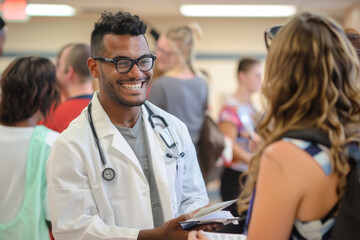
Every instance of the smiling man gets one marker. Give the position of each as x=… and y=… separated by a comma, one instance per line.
x=124, y=168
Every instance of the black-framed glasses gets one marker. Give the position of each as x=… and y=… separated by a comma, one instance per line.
x=270, y=34
x=124, y=64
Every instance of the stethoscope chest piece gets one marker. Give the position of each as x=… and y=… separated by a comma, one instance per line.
x=108, y=174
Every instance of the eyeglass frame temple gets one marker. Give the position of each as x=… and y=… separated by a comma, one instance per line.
x=268, y=32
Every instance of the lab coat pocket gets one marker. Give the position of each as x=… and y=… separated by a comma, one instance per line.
x=179, y=179
x=172, y=176
x=65, y=199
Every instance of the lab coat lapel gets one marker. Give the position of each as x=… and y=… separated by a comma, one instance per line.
x=107, y=132
x=157, y=151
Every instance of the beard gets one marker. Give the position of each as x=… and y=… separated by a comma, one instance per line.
x=110, y=89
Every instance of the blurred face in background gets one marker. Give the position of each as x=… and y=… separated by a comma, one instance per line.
x=252, y=78
x=166, y=57
x=61, y=68
x=62, y=73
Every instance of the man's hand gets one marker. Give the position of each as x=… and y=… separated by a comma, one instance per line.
x=169, y=230
x=172, y=229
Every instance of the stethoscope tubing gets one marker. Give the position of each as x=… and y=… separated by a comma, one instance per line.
x=109, y=173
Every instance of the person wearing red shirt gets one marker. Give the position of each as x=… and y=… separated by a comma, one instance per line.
x=75, y=83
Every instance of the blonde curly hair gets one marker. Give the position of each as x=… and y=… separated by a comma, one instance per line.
x=311, y=81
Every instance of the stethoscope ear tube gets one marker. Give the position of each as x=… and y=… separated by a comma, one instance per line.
x=171, y=154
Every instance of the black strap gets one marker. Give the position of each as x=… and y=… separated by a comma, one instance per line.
x=352, y=151
x=311, y=135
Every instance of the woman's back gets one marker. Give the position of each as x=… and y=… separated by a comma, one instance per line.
x=13, y=160
x=296, y=185
x=311, y=81
x=24, y=211
x=28, y=87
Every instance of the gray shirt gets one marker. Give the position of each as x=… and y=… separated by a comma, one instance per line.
x=185, y=99
x=137, y=139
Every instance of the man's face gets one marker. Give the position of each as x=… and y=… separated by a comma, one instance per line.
x=128, y=89
x=61, y=70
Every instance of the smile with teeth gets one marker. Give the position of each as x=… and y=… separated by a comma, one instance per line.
x=132, y=86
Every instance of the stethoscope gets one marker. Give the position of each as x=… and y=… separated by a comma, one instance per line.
x=165, y=135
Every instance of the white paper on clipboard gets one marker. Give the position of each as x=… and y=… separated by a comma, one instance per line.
x=224, y=236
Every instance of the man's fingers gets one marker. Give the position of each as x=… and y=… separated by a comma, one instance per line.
x=184, y=217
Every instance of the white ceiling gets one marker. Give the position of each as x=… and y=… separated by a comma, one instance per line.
x=170, y=8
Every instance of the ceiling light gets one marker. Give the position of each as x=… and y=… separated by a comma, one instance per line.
x=50, y=10
x=197, y=10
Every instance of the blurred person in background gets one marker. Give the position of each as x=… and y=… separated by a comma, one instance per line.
x=75, y=83
x=181, y=90
x=249, y=76
x=28, y=91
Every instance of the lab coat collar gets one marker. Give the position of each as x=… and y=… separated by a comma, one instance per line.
x=103, y=125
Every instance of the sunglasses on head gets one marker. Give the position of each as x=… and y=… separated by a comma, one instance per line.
x=270, y=34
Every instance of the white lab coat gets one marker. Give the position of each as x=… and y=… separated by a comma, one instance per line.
x=85, y=206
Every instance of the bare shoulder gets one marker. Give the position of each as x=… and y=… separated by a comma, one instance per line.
x=293, y=162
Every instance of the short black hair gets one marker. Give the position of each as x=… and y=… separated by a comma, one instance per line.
x=28, y=84
x=119, y=23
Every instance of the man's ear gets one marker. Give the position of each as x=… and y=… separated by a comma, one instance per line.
x=93, y=67
x=70, y=73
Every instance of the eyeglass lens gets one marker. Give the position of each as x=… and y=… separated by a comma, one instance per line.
x=144, y=64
